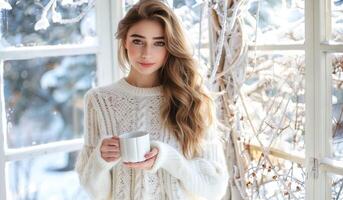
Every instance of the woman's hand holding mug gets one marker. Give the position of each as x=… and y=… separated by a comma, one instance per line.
x=110, y=149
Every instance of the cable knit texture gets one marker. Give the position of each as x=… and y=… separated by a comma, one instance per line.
x=120, y=107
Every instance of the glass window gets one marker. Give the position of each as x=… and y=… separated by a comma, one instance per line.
x=44, y=98
x=337, y=105
x=32, y=23
x=273, y=116
x=277, y=179
x=274, y=98
x=44, y=178
x=278, y=21
x=336, y=186
x=337, y=20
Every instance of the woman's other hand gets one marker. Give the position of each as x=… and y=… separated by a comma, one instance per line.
x=147, y=164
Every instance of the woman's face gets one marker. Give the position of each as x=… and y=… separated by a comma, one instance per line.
x=146, y=47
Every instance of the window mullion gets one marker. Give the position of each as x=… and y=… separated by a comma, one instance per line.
x=333, y=166
x=25, y=53
x=2, y=135
x=327, y=135
x=280, y=47
x=309, y=98
x=279, y=153
x=330, y=47
x=117, y=13
x=322, y=99
x=327, y=13
x=43, y=149
x=107, y=64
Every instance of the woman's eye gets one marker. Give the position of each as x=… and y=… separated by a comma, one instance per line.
x=161, y=44
x=138, y=42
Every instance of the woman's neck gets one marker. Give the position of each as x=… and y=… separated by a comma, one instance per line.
x=143, y=81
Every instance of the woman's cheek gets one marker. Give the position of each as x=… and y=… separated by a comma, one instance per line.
x=134, y=51
x=162, y=53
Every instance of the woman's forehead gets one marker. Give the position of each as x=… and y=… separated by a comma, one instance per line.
x=147, y=29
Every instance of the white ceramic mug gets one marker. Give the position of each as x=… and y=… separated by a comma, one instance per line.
x=134, y=145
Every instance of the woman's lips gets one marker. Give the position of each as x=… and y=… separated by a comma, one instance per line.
x=146, y=64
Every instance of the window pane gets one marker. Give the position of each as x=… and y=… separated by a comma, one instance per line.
x=44, y=178
x=43, y=98
x=337, y=186
x=23, y=24
x=279, y=21
x=273, y=93
x=337, y=105
x=194, y=19
x=337, y=20
x=280, y=179
x=273, y=106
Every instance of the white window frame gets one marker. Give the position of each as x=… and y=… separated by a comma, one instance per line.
x=319, y=100
x=108, y=14
x=318, y=159
x=322, y=102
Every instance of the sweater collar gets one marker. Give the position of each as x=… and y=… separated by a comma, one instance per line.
x=139, y=91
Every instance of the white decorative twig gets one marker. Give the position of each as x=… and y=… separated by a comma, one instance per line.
x=57, y=17
x=4, y=5
x=43, y=23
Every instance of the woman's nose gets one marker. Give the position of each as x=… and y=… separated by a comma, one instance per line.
x=147, y=52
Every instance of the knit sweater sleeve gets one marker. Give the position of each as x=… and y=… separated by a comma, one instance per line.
x=94, y=172
x=205, y=176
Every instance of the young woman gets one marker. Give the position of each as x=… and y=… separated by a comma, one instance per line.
x=163, y=94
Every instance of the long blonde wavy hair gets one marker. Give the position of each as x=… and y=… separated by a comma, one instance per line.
x=187, y=109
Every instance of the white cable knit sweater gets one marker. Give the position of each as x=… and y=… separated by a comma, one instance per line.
x=120, y=107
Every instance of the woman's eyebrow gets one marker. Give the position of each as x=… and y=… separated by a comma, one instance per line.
x=140, y=36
